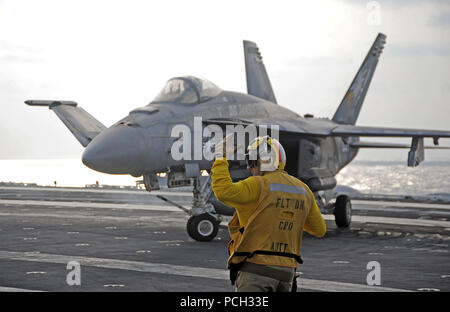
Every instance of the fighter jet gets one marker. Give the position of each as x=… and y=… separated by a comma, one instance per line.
x=140, y=144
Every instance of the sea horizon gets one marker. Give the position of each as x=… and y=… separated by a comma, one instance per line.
x=365, y=176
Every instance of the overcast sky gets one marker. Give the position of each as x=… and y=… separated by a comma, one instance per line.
x=114, y=56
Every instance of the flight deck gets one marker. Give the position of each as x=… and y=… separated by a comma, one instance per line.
x=130, y=240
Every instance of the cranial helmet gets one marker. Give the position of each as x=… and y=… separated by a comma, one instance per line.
x=266, y=152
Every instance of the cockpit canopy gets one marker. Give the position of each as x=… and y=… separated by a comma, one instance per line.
x=187, y=90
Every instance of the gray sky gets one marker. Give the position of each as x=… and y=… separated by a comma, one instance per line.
x=114, y=56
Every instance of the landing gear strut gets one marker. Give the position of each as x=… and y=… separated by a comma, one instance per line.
x=203, y=224
x=207, y=212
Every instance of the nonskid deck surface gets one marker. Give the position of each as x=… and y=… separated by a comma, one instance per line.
x=129, y=240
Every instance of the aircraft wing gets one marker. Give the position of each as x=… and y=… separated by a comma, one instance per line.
x=416, y=154
x=323, y=128
x=349, y=130
x=82, y=124
x=363, y=144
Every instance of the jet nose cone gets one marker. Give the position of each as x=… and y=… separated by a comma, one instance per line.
x=117, y=150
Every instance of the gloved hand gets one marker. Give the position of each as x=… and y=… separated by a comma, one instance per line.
x=221, y=148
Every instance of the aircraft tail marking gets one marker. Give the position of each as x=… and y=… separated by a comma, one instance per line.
x=348, y=111
x=258, y=83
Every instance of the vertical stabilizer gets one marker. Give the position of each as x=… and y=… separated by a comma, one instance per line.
x=348, y=111
x=258, y=83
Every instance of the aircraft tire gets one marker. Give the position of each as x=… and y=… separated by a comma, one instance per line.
x=343, y=211
x=203, y=227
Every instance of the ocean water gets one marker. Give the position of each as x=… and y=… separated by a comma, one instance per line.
x=368, y=177
x=395, y=178
x=65, y=172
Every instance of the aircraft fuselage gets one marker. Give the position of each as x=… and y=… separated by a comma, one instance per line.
x=140, y=143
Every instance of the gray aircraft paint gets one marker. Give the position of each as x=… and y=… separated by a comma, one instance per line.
x=317, y=148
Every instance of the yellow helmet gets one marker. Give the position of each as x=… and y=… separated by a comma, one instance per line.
x=268, y=151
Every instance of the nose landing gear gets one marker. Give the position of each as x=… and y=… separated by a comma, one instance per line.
x=203, y=227
x=203, y=223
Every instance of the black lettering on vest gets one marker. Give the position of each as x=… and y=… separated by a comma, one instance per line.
x=299, y=204
x=278, y=202
x=278, y=247
x=285, y=225
x=284, y=203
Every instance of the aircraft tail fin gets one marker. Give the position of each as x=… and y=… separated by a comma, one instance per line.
x=348, y=111
x=258, y=83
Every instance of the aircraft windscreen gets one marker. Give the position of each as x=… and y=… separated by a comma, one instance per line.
x=207, y=89
x=187, y=90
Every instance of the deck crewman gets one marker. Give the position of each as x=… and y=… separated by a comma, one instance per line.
x=272, y=208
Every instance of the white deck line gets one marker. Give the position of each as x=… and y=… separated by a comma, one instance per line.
x=189, y=194
x=386, y=204
x=78, y=204
x=93, y=190
x=163, y=268
x=13, y=289
x=396, y=221
x=73, y=204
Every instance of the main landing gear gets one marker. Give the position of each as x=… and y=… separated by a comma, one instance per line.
x=340, y=206
x=343, y=211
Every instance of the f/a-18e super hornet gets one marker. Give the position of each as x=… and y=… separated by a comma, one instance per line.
x=316, y=148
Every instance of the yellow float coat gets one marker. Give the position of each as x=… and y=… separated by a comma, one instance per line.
x=271, y=213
